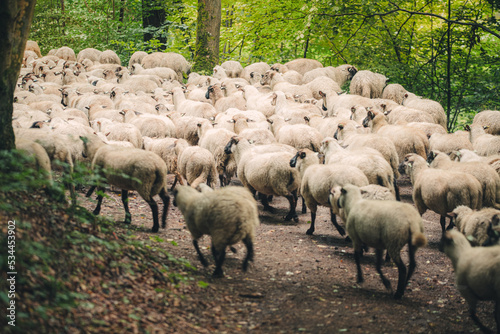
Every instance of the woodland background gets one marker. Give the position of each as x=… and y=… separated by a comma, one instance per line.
x=443, y=50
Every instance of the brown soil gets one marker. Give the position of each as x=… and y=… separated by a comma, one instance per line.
x=301, y=283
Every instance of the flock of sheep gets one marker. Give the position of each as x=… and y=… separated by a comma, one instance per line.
x=282, y=130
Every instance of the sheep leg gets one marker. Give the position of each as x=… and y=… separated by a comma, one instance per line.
x=154, y=210
x=219, y=258
x=200, y=254
x=249, y=245
x=442, y=221
x=310, y=231
x=292, y=199
x=265, y=203
x=91, y=190
x=411, y=255
x=304, y=207
x=100, y=192
x=379, y=253
x=128, y=216
x=402, y=276
x=396, y=189
x=339, y=228
x=166, y=203
x=357, y=258
x=473, y=315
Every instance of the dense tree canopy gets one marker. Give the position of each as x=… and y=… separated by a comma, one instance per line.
x=407, y=41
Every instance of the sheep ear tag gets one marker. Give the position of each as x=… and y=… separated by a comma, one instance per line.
x=409, y=164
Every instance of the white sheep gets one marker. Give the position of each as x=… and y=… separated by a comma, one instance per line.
x=449, y=142
x=394, y=92
x=318, y=179
x=228, y=215
x=383, y=225
x=490, y=119
x=474, y=224
x=368, y=84
x=233, y=68
x=440, y=190
x=297, y=135
x=477, y=273
x=431, y=107
x=129, y=169
x=165, y=149
x=172, y=60
x=483, y=143
x=303, y=65
x=195, y=164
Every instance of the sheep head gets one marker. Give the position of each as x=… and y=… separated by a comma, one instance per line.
x=493, y=231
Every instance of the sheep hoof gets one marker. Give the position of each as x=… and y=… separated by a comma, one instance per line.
x=304, y=210
x=270, y=209
x=347, y=239
x=219, y=274
x=398, y=295
x=310, y=231
x=296, y=219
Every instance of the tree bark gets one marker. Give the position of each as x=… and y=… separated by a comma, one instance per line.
x=207, y=35
x=153, y=16
x=14, y=27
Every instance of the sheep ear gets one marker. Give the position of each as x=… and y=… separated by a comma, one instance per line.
x=340, y=126
x=371, y=114
x=322, y=94
x=486, y=127
x=343, y=191
x=410, y=164
x=198, y=125
x=467, y=127
x=353, y=109
x=387, y=112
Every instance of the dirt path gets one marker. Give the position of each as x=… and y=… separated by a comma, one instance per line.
x=301, y=283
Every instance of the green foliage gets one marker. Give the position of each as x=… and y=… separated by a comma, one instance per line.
x=397, y=39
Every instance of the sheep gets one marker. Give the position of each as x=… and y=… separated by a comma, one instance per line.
x=228, y=215
x=490, y=119
x=222, y=103
x=368, y=84
x=303, y=65
x=483, y=143
x=323, y=84
x=154, y=126
x=468, y=155
x=233, y=68
x=33, y=46
x=41, y=158
x=258, y=101
x=383, y=225
x=256, y=68
x=493, y=232
x=474, y=224
x=120, y=131
x=165, y=148
x=88, y=53
x=370, y=161
x=266, y=173
x=293, y=77
x=188, y=128
x=325, y=125
x=348, y=135
x=195, y=164
x=192, y=108
x=277, y=83
x=109, y=57
x=258, y=136
x=394, y=92
x=340, y=74
x=403, y=115
x=136, y=58
x=129, y=169
x=317, y=180
x=165, y=73
x=407, y=140
x=65, y=53
x=485, y=174
x=428, y=128
x=439, y=190
x=450, y=142
x=431, y=107
x=477, y=273
x=172, y=60
x=292, y=111
x=298, y=135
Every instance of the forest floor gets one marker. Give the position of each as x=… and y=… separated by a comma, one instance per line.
x=301, y=283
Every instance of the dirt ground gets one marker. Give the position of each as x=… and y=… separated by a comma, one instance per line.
x=301, y=283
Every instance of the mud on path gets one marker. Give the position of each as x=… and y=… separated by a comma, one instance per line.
x=300, y=283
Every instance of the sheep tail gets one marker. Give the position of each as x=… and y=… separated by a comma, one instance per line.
x=417, y=238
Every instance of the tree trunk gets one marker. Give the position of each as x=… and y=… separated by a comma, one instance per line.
x=14, y=27
x=207, y=35
x=153, y=16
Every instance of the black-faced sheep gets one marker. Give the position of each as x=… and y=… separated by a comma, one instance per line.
x=228, y=215
x=383, y=225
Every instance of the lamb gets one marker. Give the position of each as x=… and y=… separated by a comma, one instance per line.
x=477, y=273
x=407, y=140
x=383, y=225
x=474, y=224
x=266, y=173
x=228, y=215
x=129, y=169
x=195, y=164
x=394, y=92
x=490, y=119
x=483, y=143
x=368, y=84
x=317, y=180
x=431, y=107
x=439, y=190
x=485, y=174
